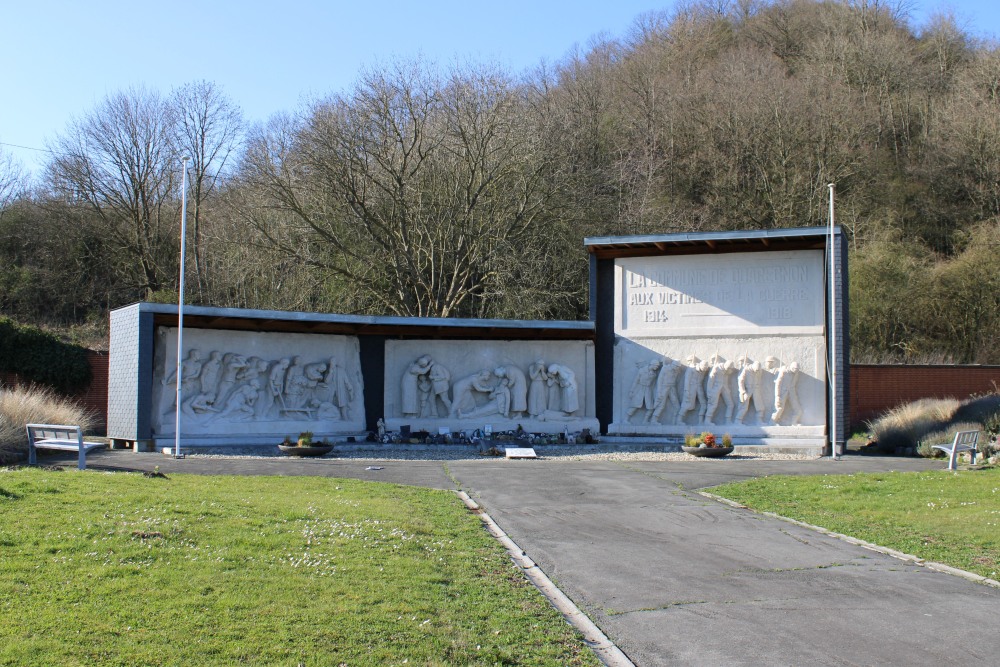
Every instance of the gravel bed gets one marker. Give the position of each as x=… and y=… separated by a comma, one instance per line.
x=459, y=453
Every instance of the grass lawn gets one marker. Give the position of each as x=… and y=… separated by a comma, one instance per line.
x=122, y=569
x=951, y=518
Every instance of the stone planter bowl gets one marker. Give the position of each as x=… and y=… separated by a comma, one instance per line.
x=311, y=450
x=708, y=452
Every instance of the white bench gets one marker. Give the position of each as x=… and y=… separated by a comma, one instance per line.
x=58, y=436
x=965, y=441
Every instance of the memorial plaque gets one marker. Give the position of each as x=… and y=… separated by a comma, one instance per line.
x=737, y=294
x=520, y=453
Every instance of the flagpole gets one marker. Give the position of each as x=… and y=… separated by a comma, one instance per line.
x=833, y=335
x=178, y=376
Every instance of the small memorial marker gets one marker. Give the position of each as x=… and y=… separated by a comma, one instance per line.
x=521, y=453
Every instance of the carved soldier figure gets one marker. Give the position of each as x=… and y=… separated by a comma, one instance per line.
x=642, y=395
x=750, y=382
x=666, y=390
x=694, y=389
x=717, y=388
x=786, y=395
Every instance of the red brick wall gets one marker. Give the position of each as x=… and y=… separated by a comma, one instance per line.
x=875, y=389
x=94, y=398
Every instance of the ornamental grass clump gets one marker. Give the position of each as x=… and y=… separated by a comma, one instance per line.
x=929, y=421
x=905, y=425
x=21, y=406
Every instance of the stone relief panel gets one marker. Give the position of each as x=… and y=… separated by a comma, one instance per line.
x=542, y=386
x=766, y=385
x=235, y=382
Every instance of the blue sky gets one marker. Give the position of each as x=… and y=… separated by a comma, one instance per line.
x=59, y=59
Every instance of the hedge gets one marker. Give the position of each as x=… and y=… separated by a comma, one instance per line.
x=41, y=358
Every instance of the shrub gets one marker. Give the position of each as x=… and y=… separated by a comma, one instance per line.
x=39, y=357
x=984, y=410
x=22, y=406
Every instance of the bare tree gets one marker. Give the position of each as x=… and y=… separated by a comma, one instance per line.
x=13, y=180
x=208, y=129
x=417, y=191
x=118, y=162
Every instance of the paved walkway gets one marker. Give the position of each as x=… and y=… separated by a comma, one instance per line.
x=674, y=578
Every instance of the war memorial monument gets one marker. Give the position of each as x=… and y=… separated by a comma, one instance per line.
x=728, y=332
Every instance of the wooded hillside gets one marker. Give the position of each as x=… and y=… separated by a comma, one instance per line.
x=467, y=192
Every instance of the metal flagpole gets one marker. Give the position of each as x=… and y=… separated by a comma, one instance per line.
x=833, y=336
x=180, y=309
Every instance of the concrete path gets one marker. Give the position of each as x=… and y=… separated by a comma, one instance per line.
x=674, y=578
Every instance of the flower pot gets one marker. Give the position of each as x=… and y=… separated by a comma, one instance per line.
x=708, y=452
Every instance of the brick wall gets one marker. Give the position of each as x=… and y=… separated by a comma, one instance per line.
x=875, y=389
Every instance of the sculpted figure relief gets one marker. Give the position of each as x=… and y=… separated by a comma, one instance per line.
x=694, y=389
x=440, y=381
x=210, y=371
x=565, y=379
x=546, y=391
x=786, y=397
x=275, y=386
x=717, y=389
x=538, y=391
x=233, y=366
x=231, y=387
x=707, y=388
x=518, y=385
x=642, y=395
x=410, y=386
x=465, y=390
x=240, y=404
x=339, y=390
x=666, y=390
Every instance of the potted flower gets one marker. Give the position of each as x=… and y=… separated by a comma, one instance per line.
x=708, y=445
x=305, y=446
